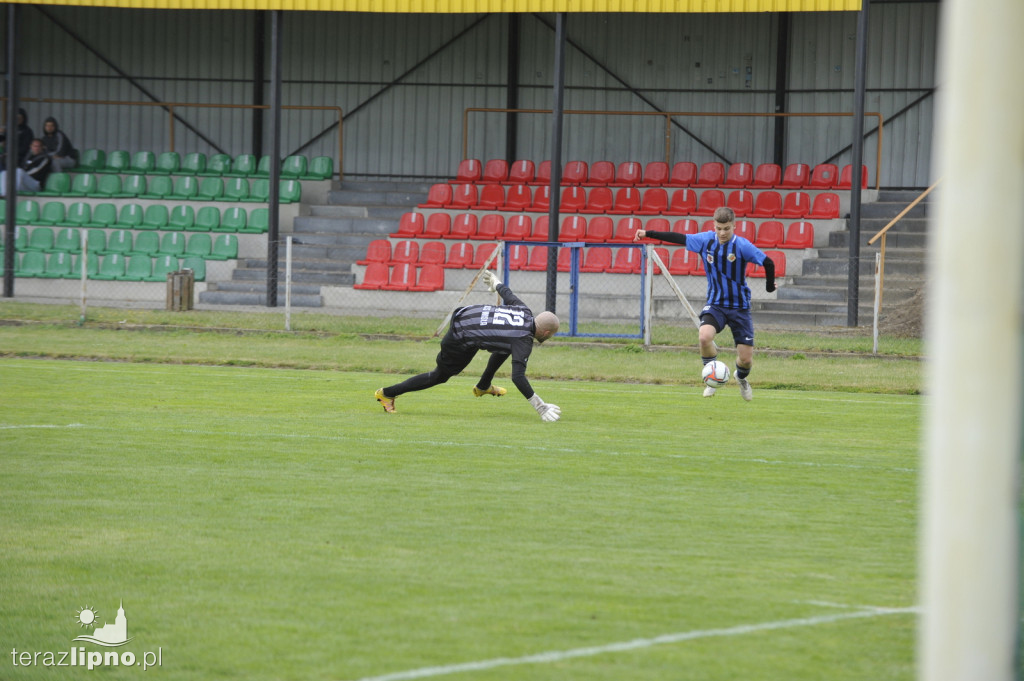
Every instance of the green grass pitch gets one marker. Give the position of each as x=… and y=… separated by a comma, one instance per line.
x=276, y=524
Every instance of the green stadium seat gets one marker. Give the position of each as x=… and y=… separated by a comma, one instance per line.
x=96, y=242
x=143, y=163
x=27, y=212
x=57, y=184
x=79, y=214
x=110, y=187
x=167, y=163
x=244, y=165
x=197, y=265
x=225, y=247
x=162, y=266
x=93, y=160
x=182, y=217
x=146, y=243
x=160, y=188
x=41, y=239
x=68, y=240
x=103, y=215
x=58, y=266
x=235, y=189
x=210, y=189
x=290, y=192
x=133, y=186
x=217, y=165
x=119, y=241
x=320, y=168
x=155, y=217
x=186, y=188
x=199, y=245
x=3, y=212
x=139, y=268
x=92, y=265
x=131, y=217
x=53, y=213
x=20, y=238
x=234, y=220
x=118, y=161
x=259, y=191
x=193, y=164
x=33, y=264
x=111, y=267
x=294, y=167
x=172, y=243
x=83, y=184
x=263, y=167
x=259, y=221
x=207, y=219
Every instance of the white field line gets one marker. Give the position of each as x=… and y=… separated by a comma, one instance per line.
x=43, y=425
x=635, y=644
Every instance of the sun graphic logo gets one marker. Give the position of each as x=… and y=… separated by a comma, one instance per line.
x=109, y=635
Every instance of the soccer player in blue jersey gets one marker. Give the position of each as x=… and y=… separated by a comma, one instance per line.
x=506, y=330
x=725, y=258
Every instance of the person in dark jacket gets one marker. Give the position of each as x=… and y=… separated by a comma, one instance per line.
x=25, y=137
x=34, y=170
x=58, y=146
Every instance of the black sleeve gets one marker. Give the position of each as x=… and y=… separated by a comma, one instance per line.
x=521, y=349
x=769, y=274
x=671, y=237
x=510, y=298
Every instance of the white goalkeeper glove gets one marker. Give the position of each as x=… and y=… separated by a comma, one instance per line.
x=492, y=281
x=548, y=412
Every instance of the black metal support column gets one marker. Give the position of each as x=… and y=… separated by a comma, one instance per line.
x=853, y=281
x=259, y=70
x=512, y=89
x=11, y=160
x=781, y=83
x=273, y=232
x=557, y=108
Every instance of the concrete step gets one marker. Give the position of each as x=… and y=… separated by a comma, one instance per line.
x=257, y=298
x=253, y=287
x=311, y=224
x=839, y=265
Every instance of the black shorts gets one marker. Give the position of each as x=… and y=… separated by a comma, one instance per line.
x=738, y=321
x=454, y=357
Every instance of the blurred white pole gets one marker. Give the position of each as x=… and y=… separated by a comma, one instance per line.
x=288, y=284
x=84, y=261
x=878, y=303
x=970, y=553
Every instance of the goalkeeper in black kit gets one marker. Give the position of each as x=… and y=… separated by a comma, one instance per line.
x=506, y=330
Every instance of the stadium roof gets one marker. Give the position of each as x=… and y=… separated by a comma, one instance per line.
x=479, y=6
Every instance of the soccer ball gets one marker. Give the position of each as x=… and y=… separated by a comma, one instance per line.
x=715, y=374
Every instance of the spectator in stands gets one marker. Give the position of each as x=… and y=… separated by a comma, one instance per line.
x=31, y=176
x=58, y=146
x=25, y=137
x=505, y=330
x=725, y=257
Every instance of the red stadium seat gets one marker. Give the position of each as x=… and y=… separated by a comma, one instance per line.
x=460, y=255
x=770, y=234
x=627, y=201
x=738, y=176
x=653, y=202
x=521, y=172
x=403, y=277
x=483, y=251
x=596, y=260
x=658, y=225
x=574, y=199
x=795, y=205
x=601, y=173
x=374, y=278
x=711, y=174
x=767, y=204
x=492, y=197
x=538, y=259
x=795, y=176
x=540, y=229
x=378, y=250
x=682, y=202
x=518, y=256
x=627, y=261
x=574, y=228
x=710, y=200
x=746, y=229
x=541, y=200
x=666, y=258
x=495, y=171
x=685, y=226
x=628, y=174
x=518, y=228
x=778, y=258
x=575, y=172
x=438, y=225
x=491, y=227
x=438, y=196
x=824, y=207
x=543, y=175
x=564, y=259
x=409, y=226
x=684, y=174
x=519, y=198
x=463, y=227
x=766, y=176
x=432, y=253
x=799, y=235
x=741, y=201
x=469, y=170
x=431, y=278
x=683, y=262
x=655, y=174
x=464, y=197
x=405, y=251
x=626, y=229
x=599, y=200
x=600, y=228
x=846, y=177
x=823, y=176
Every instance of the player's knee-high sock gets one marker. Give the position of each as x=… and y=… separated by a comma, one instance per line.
x=743, y=372
x=708, y=360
